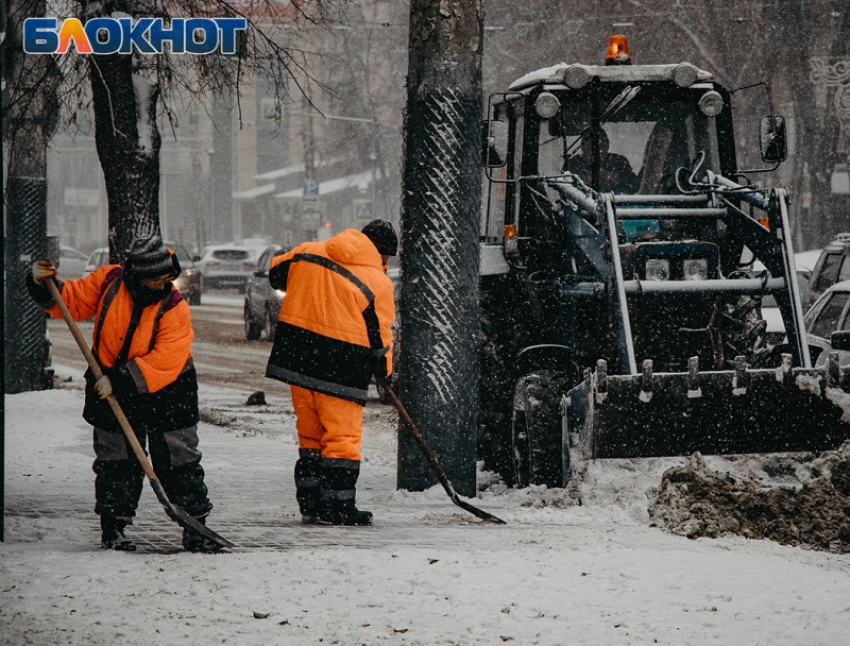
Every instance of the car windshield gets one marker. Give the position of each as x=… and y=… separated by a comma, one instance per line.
x=828, y=318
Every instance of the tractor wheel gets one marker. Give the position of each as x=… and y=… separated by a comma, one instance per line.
x=540, y=448
x=744, y=330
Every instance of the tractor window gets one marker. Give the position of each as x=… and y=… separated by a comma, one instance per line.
x=502, y=193
x=641, y=146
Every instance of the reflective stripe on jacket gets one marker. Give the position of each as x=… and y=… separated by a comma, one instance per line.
x=335, y=319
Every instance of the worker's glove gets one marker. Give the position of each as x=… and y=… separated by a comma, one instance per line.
x=103, y=386
x=42, y=269
x=379, y=367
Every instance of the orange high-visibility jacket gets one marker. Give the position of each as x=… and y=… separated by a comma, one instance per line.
x=335, y=319
x=161, y=347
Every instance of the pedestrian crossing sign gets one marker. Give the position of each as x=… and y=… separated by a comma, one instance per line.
x=363, y=211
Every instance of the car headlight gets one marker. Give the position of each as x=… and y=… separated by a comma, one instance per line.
x=695, y=269
x=657, y=269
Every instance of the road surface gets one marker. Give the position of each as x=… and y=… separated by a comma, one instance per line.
x=221, y=353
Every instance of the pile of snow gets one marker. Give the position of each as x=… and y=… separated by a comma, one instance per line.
x=812, y=510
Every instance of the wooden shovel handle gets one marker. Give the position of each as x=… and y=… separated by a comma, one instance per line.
x=98, y=373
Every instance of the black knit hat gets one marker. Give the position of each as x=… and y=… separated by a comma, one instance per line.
x=383, y=236
x=149, y=257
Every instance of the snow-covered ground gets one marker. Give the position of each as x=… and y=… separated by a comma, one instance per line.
x=426, y=573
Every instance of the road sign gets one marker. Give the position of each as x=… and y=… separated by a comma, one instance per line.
x=310, y=189
x=311, y=214
x=363, y=211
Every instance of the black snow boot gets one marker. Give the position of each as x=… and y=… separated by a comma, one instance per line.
x=337, y=497
x=307, y=484
x=195, y=542
x=112, y=534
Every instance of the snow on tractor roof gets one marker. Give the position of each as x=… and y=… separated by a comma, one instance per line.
x=606, y=73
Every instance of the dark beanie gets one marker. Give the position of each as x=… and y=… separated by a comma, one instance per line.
x=383, y=236
x=149, y=257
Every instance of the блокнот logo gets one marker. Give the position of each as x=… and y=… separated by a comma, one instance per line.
x=122, y=35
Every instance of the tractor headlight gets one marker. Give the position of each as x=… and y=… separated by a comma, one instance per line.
x=711, y=103
x=547, y=105
x=695, y=269
x=657, y=269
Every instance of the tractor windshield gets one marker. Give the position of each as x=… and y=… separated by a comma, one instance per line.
x=627, y=141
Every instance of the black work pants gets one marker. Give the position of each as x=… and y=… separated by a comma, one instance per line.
x=176, y=461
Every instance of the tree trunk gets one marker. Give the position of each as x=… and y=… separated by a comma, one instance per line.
x=438, y=372
x=128, y=144
x=29, y=106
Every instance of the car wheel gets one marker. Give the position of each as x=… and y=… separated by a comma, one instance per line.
x=270, y=323
x=253, y=328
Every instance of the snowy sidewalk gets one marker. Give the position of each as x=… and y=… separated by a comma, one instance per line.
x=426, y=574
x=249, y=477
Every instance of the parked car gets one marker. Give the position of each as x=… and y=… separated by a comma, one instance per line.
x=832, y=267
x=72, y=263
x=228, y=266
x=262, y=303
x=99, y=257
x=805, y=262
x=828, y=324
x=189, y=282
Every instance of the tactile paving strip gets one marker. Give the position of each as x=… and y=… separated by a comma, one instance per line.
x=153, y=533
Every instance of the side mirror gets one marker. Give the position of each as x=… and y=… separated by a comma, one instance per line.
x=840, y=340
x=774, y=145
x=196, y=259
x=494, y=143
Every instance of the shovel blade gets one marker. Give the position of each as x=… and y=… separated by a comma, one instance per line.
x=185, y=519
x=475, y=511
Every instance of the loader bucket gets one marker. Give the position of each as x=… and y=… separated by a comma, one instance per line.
x=723, y=412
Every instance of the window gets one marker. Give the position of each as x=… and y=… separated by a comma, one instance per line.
x=230, y=254
x=829, y=272
x=844, y=272
x=830, y=314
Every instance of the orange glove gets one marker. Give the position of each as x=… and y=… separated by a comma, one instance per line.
x=42, y=269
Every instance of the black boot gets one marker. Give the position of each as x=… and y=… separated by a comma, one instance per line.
x=307, y=484
x=337, y=497
x=196, y=542
x=112, y=534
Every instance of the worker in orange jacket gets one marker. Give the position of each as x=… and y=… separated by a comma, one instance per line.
x=142, y=340
x=332, y=335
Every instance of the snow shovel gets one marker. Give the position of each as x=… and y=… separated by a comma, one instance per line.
x=175, y=512
x=432, y=459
